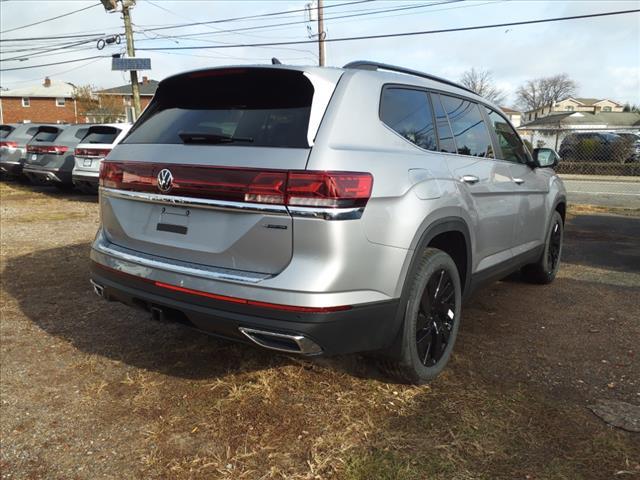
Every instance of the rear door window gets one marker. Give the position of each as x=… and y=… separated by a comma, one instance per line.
x=241, y=106
x=101, y=134
x=408, y=112
x=445, y=137
x=511, y=147
x=469, y=130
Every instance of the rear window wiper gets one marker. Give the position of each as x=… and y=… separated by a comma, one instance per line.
x=211, y=138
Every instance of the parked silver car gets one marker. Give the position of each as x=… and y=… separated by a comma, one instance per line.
x=95, y=146
x=323, y=210
x=13, y=146
x=50, y=154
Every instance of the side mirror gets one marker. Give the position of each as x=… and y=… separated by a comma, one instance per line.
x=545, y=157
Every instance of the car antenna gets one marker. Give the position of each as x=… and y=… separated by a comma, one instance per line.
x=275, y=61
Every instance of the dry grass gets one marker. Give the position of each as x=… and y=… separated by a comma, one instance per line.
x=92, y=390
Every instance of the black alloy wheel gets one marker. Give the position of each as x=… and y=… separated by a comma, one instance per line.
x=436, y=317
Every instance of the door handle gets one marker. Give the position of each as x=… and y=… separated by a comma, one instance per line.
x=519, y=181
x=470, y=179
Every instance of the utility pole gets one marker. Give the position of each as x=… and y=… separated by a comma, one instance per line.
x=135, y=87
x=321, y=34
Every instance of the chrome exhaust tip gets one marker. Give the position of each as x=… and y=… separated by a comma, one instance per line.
x=97, y=289
x=282, y=342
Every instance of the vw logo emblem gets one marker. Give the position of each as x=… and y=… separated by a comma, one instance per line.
x=165, y=180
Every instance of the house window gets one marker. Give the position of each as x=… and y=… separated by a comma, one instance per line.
x=569, y=108
x=59, y=102
x=26, y=102
x=606, y=109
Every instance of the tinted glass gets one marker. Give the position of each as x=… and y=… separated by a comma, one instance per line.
x=101, y=135
x=408, y=112
x=510, y=144
x=445, y=137
x=242, y=106
x=469, y=130
x=72, y=134
x=48, y=135
x=5, y=130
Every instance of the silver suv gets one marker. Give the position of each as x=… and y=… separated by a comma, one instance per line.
x=323, y=210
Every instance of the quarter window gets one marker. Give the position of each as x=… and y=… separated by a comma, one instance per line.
x=26, y=102
x=512, y=148
x=469, y=130
x=408, y=112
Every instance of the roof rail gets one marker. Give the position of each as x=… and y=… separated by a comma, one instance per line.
x=366, y=65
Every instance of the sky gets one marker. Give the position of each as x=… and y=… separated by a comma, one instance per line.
x=601, y=54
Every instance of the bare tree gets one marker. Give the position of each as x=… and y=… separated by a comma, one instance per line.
x=544, y=91
x=481, y=82
x=102, y=108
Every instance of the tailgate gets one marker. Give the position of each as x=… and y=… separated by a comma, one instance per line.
x=201, y=175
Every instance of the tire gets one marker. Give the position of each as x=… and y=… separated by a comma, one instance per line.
x=545, y=269
x=427, y=339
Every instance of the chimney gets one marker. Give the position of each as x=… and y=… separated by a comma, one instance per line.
x=47, y=82
x=145, y=80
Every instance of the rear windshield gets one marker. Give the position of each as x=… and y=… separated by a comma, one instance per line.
x=5, y=130
x=46, y=134
x=73, y=134
x=244, y=106
x=101, y=135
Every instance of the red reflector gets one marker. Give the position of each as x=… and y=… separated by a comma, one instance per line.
x=92, y=152
x=225, y=298
x=9, y=144
x=47, y=149
x=281, y=187
x=254, y=303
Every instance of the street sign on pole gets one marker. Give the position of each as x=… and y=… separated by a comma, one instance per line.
x=129, y=63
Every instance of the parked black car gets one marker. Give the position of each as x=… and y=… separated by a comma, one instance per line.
x=50, y=154
x=595, y=147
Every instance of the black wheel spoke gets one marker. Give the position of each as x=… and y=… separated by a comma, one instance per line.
x=436, y=317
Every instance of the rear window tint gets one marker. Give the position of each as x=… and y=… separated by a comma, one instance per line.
x=5, y=130
x=408, y=112
x=73, y=134
x=247, y=106
x=101, y=135
x=48, y=135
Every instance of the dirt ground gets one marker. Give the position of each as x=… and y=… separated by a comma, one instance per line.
x=91, y=389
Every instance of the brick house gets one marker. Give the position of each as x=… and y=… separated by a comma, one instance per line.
x=49, y=102
x=121, y=96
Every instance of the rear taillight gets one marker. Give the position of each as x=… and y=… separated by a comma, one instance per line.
x=281, y=187
x=9, y=144
x=47, y=149
x=92, y=152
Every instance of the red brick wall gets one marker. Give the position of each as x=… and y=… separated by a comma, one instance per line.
x=42, y=110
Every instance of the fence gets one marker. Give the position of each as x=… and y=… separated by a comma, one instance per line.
x=595, y=163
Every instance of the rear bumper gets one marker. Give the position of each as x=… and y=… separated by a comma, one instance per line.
x=11, y=167
x=47, y=175
x=361, y=328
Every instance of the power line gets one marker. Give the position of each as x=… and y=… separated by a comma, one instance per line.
x=54, y=63
x=401, y=34
x=248, y=17
x=29, y=39
x=50, y=19
x=258, y=27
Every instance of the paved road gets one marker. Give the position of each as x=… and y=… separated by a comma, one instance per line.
x=604, y=192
